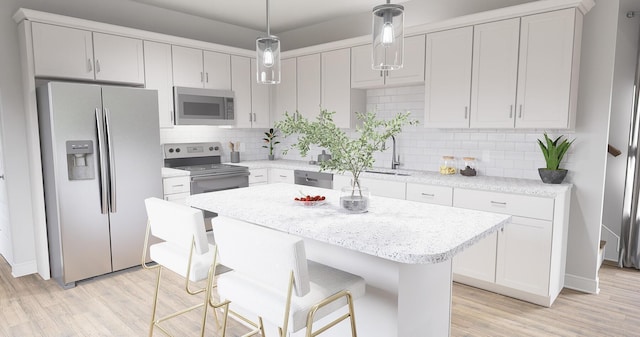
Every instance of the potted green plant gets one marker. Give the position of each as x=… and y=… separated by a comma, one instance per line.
x=354, y=155
x=269, y=138
x=553, y=151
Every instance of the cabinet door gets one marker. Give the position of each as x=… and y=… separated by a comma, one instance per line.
x=448, y=78
x=260, y=101
x=545, y=70
x=385, y=188
x=258, y=176
x=62, y=52
x=524, y=255
x=217, y=70
x=479, y=260
x=362, y=75
x=118, y=59
x=412, y=71
x=241, y=86
x=277, y=175
x=495, y=74
x=336, y=85
x=286, y=97
x=158, y=76
x=308, y=81
x=187, y=67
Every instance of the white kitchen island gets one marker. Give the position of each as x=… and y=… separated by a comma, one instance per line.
x=403, y=249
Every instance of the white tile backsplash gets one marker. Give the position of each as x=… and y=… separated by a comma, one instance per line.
x=499, y=152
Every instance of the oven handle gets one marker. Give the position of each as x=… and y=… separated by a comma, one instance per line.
x=219, y=176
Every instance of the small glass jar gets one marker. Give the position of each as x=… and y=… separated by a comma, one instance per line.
x=448, y=165
x=468, y=167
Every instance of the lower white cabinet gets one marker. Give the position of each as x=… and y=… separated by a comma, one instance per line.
x=278, y=175
x=439, y=195
x=258, y=176
x=385, y=188
x=479, y=260
x=176, y=189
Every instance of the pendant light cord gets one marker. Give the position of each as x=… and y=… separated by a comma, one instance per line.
x=268, y=26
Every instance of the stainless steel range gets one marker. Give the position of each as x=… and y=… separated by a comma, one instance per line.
x=203, y=161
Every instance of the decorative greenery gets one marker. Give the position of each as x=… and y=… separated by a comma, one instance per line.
x=554, y=152
x=270, y=140
x=347, y=154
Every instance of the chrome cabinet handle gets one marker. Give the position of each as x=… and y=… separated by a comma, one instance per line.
x=201, y=76
x=112, y=164
x=97, y=66
x=498, y=203
x=207, y=77
x=466, y=112
x=428, y=194
x=249, y=117
x=259, y=176
x=254, y=117
x=511, y=111
x=380, y=73
x=101, y=161
x=89, y=66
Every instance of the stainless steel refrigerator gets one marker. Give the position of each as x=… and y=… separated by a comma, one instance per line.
x=101, y=158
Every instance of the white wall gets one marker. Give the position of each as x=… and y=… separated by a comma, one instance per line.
x=621, y=108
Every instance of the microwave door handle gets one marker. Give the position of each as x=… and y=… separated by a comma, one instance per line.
x=112, y=164
x=102, y=163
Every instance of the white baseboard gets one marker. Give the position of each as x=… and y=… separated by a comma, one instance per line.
x=580, y=283
x=24, y=268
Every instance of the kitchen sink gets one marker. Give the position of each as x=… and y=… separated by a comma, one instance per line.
x=388, y=173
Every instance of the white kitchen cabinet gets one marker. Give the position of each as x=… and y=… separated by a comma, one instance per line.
x=336, y=94
x=523, y=260
x=258, y=176
x=286, y=91
x=548, y=69
x=197, y=68
x=439, y=195
x=278, y=175
x=260, y=100
x=384, y=188
x=411, y=73
x=158, y=75
x=176, y=189
x=241, y=86
x=308, y=80
x=63, y=52
x=448, y=78
x=495, y=74
x=340, y=181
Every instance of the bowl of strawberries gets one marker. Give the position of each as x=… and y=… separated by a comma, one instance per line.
x=310, y=200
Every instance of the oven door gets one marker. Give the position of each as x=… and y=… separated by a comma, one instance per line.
x=194, y=106
x=218, y=182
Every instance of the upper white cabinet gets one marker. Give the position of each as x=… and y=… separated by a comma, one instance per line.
x=495, y=74
x=308, y=80
x=251, y=98
x=260, y=100
x=63, y=52
x=448, y=78
x=286, y=91
x=548, y=69
x=412, y=72
x=158, y=75
x=201, y=69
x=336, y=94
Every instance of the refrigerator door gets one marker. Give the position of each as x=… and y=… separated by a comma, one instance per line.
x=135, y=161
x=78, y=231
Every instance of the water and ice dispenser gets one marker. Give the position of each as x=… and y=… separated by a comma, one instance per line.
x=80, y=160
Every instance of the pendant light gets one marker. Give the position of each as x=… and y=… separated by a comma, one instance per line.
x=388, y=37
x=268, y=57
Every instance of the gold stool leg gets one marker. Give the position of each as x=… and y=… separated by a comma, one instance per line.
x=155, y=303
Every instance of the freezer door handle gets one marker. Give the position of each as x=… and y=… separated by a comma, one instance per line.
x=103, y=168
x=112, y=164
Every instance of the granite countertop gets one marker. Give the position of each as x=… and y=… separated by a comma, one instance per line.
x=397, y=230
x=486, y=183
x=171, y=172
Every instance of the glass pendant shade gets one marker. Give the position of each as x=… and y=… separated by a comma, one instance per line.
x=388, y=37
x=268, y=60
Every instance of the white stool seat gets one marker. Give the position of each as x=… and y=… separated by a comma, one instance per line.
x=176, y=259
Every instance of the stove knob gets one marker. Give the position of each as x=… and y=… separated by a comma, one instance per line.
x=216, y=148
x=178, y=150
x=210, y=148
x=170, y=150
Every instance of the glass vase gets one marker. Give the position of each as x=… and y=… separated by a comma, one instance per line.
x=354, y=199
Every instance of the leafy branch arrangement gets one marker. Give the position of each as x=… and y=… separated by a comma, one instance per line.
x=270, y=140
x=347, y=154
x=553, y=151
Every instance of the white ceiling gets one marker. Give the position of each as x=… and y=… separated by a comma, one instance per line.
x=285, y=14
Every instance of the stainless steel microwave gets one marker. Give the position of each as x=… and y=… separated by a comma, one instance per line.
x=195, y=106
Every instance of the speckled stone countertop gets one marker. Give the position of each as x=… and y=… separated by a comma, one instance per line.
x=398, y=230
x=496, y=184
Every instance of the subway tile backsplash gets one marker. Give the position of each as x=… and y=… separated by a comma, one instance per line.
x=498, y=152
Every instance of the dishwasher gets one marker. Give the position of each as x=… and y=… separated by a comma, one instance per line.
x=315, y=179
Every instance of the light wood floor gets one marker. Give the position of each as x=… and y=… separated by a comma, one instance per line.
x=119, y=305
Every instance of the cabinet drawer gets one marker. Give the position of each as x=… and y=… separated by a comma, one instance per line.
x=513, y=204
x=439, y=195
x=385, y=188
x=176, y=185
x=258, y=176
x=178, y=198
x=277, y=175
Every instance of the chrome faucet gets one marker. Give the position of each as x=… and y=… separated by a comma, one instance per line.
x=395, y=161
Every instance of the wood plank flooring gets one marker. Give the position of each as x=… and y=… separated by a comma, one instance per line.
x=120, y=305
